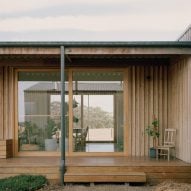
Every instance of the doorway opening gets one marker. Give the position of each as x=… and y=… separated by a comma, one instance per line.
x=98, y=112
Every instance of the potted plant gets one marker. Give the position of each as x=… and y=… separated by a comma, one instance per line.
x=28, y=136
x=152, y=131
x=50, y=138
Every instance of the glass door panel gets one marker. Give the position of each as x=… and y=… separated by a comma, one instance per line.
x=97, y=112
x=39, y=103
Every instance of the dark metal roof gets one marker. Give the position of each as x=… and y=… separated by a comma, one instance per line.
x=186, y=35
x=96, y=44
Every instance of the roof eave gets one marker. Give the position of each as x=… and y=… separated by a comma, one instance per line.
x=165, y=44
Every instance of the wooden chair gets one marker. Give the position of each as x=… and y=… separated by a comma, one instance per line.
x=80, y=139
x=83, y=136
x=169, y=144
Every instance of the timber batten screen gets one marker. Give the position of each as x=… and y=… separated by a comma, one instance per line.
x=179, y=106
x=147, y=96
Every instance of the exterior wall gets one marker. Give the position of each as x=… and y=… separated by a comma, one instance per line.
x=179, y=105
x=160, y=89
x=7, y=90
x=147, y=90
x=6, y=103
x=152, y=89
x=1, y=103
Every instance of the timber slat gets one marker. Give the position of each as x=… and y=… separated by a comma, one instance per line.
x=97, y=169
x=146, y=169
x=100, y=177
x=179, y=105
x=27, y=170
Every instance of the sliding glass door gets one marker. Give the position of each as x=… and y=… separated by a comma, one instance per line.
x=39, y=103
x=98, y=111
x=94, y=111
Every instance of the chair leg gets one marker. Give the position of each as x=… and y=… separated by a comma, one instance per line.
x=168, y=154
x=174, y=153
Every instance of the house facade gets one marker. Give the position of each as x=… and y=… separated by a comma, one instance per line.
x=112, y=91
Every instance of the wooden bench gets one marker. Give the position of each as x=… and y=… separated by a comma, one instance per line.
x=6, y=149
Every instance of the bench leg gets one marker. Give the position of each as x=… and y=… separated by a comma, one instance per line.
x=157, y=154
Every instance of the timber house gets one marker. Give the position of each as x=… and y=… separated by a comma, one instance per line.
x=88, y=104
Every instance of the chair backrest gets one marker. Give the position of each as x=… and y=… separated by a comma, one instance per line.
x=170, y=137
x=85, y=132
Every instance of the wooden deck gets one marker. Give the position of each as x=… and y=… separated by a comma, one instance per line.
x=99, y=169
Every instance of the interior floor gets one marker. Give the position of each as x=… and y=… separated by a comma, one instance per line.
x=101, y=147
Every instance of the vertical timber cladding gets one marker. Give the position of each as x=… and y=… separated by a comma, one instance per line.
x=147, y=95
x=1, y=105
x=6, y=103
x=179, y=110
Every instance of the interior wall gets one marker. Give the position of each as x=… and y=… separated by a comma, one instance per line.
x=147, y=96
x=180, y=105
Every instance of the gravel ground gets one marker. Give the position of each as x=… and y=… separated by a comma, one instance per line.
x=172, y=186
x=165, y=186
x=97, y=187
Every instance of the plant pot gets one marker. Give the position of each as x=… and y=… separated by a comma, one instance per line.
x=152, y=152
x=50, y=145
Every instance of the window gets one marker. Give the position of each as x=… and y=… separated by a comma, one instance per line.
x=98, y=111
x=39, y=110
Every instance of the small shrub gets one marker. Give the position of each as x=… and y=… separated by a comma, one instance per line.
x=22, y=183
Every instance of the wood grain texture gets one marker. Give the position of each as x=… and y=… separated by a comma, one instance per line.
x=125, y=51
x=147, y=97
x=30, y=51
x=179, y=111
x=152, y=89
x=99, y=169
x=100, y=177
x=1, y=105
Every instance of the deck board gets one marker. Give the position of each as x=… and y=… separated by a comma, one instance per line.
x=85, y=169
